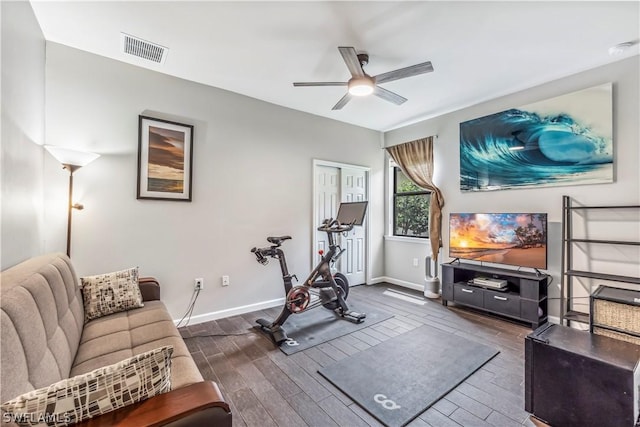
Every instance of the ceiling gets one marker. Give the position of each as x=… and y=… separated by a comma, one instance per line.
x=479, y=50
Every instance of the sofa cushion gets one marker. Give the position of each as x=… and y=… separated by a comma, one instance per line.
x=95, y=393
x=117, y=336
x=110, y=293
x=41, y=321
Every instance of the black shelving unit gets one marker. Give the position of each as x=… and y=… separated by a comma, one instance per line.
x=567, y=312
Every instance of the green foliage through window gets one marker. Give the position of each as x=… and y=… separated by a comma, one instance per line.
x=410, y=207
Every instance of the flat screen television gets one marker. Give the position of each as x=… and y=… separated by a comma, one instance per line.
x=518, y=239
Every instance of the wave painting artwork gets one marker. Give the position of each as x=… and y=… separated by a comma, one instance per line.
x=166, y=160
x=567, y=140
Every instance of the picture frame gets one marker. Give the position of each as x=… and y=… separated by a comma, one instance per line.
x=165, y=157
x=562, y=141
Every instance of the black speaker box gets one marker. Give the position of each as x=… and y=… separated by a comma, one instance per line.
x=576, y=378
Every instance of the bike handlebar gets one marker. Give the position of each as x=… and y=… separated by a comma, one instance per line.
x=260, y=255
x=334, y=226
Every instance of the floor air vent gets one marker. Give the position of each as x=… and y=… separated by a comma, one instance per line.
x=143, y=49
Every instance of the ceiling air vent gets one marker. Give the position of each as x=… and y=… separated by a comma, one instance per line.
x=143, y=49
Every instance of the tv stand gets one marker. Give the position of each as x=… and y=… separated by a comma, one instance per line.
x=525, y=298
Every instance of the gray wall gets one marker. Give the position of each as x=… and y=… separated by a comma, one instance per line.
x=252, y=179
x=252, y=171
x=625, y=189
x=23, y=57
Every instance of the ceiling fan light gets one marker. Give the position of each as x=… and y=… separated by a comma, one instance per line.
x=360, y=86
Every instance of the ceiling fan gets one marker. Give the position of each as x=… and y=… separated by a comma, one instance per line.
x=362, y=84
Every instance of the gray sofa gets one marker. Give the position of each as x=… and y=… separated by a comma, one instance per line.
x=44, y=339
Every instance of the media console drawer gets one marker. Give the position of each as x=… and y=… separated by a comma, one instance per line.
x=502, y=302
x=466, y=294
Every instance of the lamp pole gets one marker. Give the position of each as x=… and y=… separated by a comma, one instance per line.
x=70, y=206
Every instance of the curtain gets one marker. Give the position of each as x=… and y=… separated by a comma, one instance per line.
x=415, y=158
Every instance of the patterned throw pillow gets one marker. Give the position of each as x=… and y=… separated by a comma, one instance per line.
x=110, y=293
x=95, y=393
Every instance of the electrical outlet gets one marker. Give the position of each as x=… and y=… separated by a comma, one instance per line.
x=415, y=262
x=198, y=283
x=225, y=280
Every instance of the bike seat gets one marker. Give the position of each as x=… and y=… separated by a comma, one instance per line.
x=278, y=240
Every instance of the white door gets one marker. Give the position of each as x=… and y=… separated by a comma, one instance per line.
x=327, y=196
x=335, y=184
x=352, y=262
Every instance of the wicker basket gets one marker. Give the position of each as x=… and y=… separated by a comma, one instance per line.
x=624, y=317
x=615, y=313
x=617, y=335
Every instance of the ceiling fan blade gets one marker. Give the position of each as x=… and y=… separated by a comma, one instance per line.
x=402, y=73
x=351, y=59
x=387, y=95
x=301, y=84
x=343, y=101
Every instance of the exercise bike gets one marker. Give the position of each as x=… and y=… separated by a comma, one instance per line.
x=330, y=290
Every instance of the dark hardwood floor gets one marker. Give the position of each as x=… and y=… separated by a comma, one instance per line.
x=267, y=388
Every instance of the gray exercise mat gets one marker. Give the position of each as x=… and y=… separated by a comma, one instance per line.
x=398, y=379
x=320, y=325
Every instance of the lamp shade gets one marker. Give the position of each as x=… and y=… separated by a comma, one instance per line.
x=67, y=156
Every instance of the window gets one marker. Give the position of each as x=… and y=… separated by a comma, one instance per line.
x=410, y=207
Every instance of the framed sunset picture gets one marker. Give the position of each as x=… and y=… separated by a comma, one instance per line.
x=164, y=159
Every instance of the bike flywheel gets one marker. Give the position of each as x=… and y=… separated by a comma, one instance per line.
x=298, y=299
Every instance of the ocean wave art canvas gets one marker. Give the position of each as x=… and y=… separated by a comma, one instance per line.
x=567, y=140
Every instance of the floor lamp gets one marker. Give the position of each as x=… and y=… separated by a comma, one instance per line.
x=71, y=160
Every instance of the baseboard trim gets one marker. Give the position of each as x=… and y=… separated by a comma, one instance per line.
x=574, y=325
x=376, y=280
x=214, y=315
x=403, y=283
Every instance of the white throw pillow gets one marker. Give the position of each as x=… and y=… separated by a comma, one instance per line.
x=95, y=393
x=110, y=293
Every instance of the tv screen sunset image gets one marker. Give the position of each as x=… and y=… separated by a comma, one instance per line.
x=504, y=238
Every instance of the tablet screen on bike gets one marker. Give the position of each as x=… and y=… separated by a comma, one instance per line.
x=349, y=212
